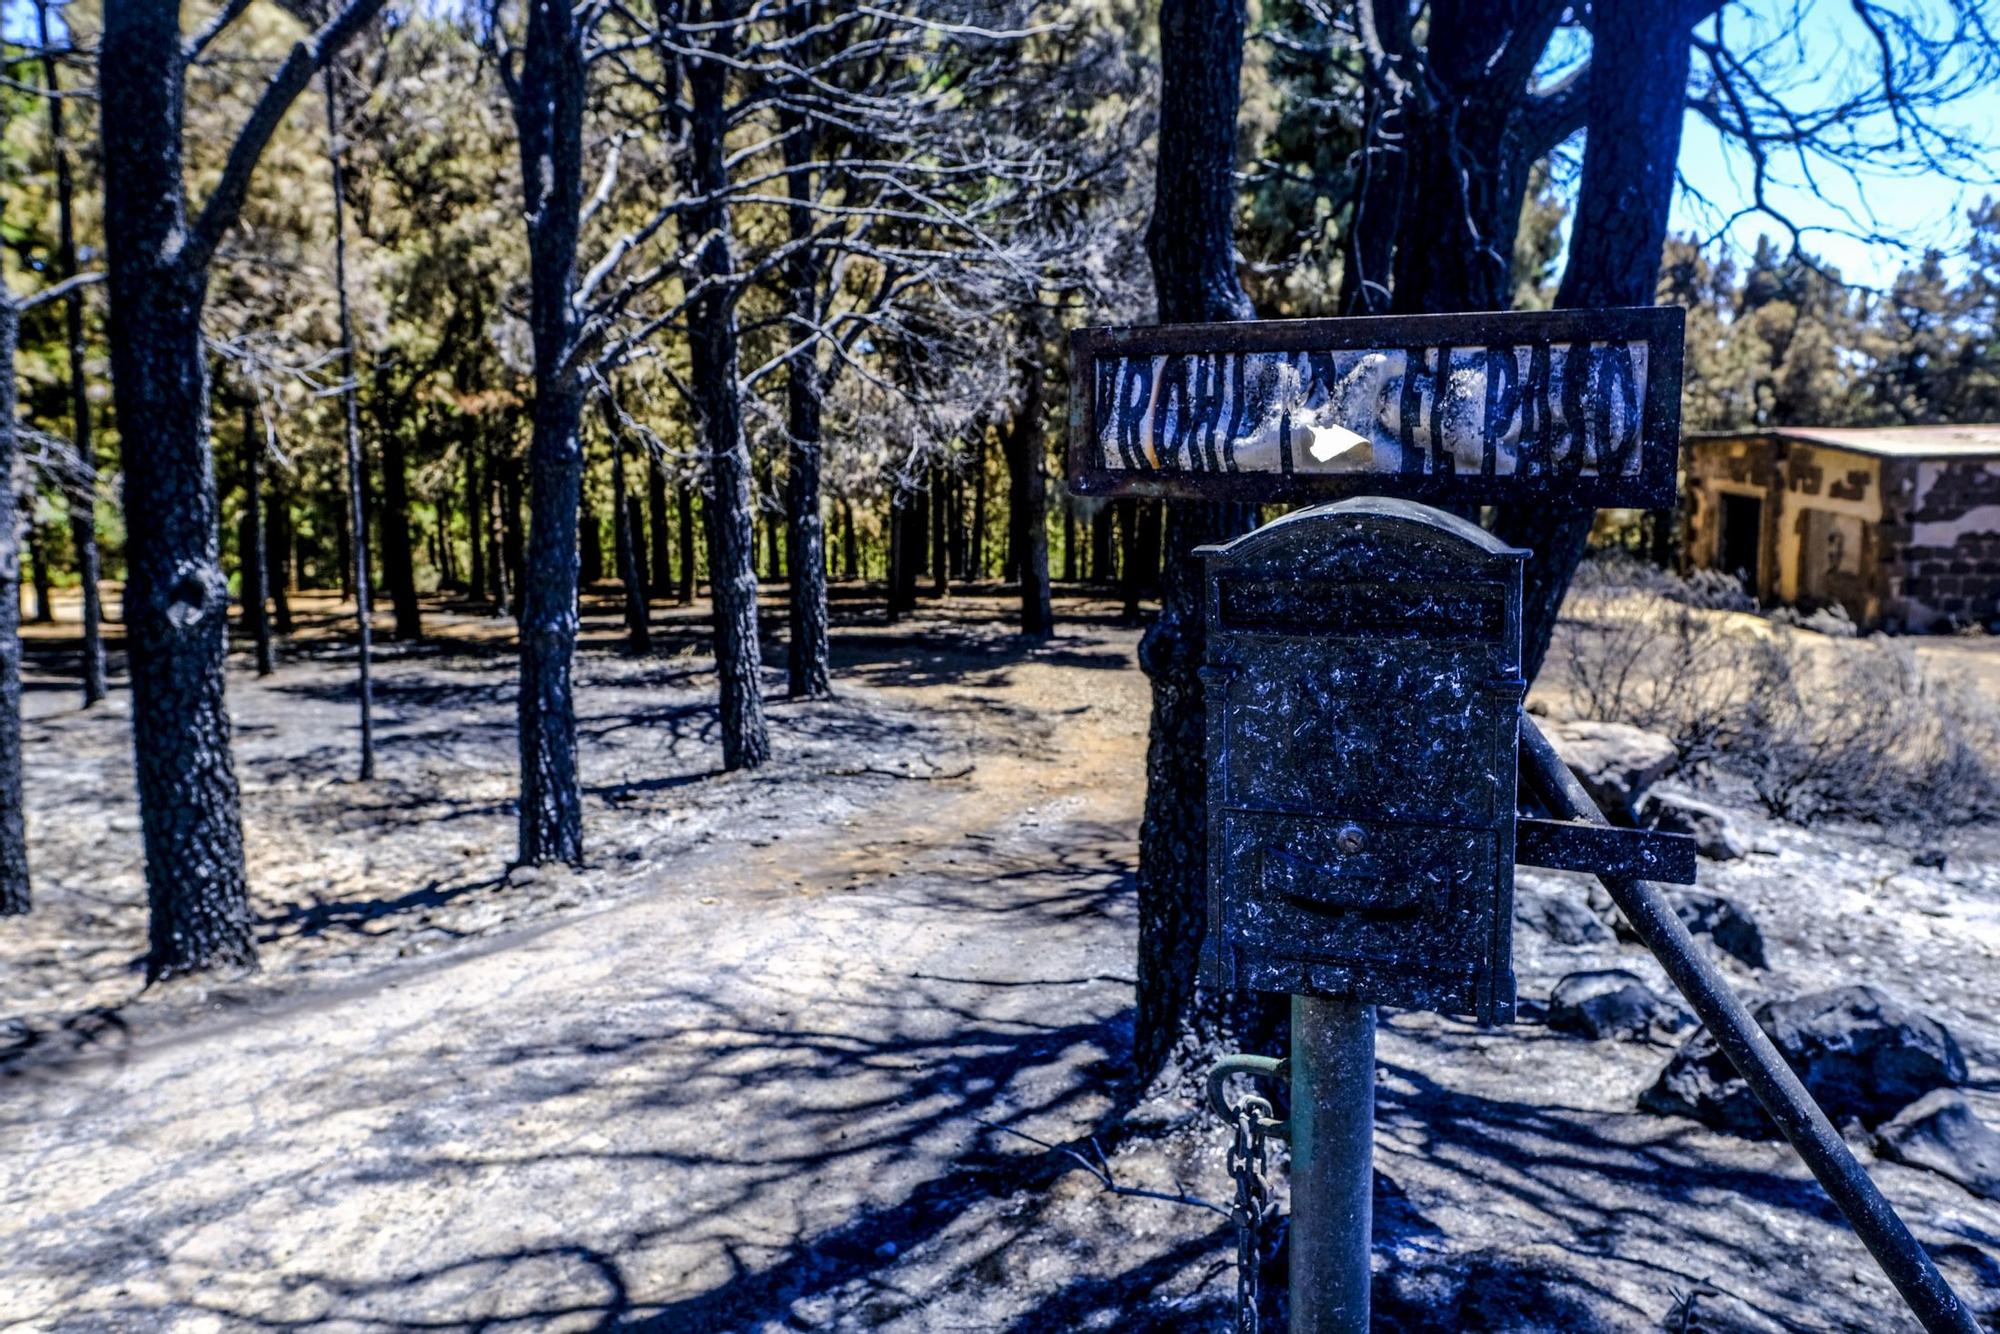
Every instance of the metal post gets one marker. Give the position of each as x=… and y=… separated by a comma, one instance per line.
x=1333, y=1146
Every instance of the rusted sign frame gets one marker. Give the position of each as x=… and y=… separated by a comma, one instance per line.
x=1654, y=486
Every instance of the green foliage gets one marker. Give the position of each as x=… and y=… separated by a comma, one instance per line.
x=1784, y=342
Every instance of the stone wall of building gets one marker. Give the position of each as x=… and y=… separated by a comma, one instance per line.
x=1941, y=535
x=1716, y=468
x=1829, y=547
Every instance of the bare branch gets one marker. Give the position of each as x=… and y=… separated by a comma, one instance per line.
x=300, y=64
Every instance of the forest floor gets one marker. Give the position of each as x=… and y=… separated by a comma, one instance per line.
x=830, y=1046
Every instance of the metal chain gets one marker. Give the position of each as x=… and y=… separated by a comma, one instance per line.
x=1256, y=1121
x=1247, y=1161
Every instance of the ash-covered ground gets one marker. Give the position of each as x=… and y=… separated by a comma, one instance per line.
x=839, y=1045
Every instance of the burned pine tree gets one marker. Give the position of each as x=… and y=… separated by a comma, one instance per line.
x=1024, y=444
x=713, y=354
x=807, y=673
x=626, y=533
x=546, y=86
x=1190, y=243
x=254, y=558
x=355, y=575
x=14, y=886
x=83, y=479
x=15, y=889
x=176, y=600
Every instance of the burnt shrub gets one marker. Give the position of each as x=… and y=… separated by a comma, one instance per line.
x=1818, y=723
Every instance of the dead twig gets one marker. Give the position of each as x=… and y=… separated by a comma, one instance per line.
x=1101, y=1169
x=937, y=773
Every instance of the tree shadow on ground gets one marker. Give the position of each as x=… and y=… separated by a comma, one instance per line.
x=357, y=916
x=900, y=1090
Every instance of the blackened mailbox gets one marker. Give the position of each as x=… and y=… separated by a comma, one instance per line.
x=1363, y=687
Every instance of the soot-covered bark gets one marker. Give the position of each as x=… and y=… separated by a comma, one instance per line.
x=808, y=674
x=548, y=111
x=255, y=559
x=176, y=598
x=1191, y=244
x=1027, y=512
x=712, y=348
x=14, y=888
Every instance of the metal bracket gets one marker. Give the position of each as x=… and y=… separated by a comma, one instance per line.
x=1257, y=1067
x=1642, y=854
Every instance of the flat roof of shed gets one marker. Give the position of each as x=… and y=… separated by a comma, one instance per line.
x=1973, y=440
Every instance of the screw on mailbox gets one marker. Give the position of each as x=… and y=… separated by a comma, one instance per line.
x=1363, y=690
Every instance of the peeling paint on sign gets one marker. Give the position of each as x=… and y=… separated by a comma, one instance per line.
x=1584, y=404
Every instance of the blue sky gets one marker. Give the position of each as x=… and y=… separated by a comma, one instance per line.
x=1817, y=60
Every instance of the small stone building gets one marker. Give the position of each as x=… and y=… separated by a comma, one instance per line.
x=1899, y=525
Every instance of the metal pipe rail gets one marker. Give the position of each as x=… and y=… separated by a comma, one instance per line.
x=1937, y=1307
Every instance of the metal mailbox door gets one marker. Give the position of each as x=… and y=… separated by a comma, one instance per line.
x=1363, y=687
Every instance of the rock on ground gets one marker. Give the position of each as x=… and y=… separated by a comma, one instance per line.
x=1563, y=917
x=1713, y=829
x=1615, y=762
x=1862, y=1055
x=1610, y=1003
x=1941, y=1132
x=1734, y=931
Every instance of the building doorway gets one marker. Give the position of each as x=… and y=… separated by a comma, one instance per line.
x=1743, y=539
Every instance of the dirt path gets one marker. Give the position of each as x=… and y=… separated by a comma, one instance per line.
x=769, y=1063
x=823, y=1048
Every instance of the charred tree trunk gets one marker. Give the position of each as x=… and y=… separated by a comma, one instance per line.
x=712, y=348
x=256, y=557
x=343, y=548
x=959, y=539
x=38, y=568
x=176, y=598
x=940, y=533
x=1130, y=575
x=502, y=545
x=1027, y=509
x=684, y=526
x=1190, y=244
x=357, y=471
x=1638, y=76
x=399, y=564
x=979, y=499
x=660, y=575
x=548, y=111
x=475, y=511
x=1103, y=565
x=625, y=539
x=905, y=515
x=1069, y=539
x=278, y=563
x=83, y=483
x=1149, y=547
x=14, y=888
x=850, y=544
x=774, y=548
x=808, y=671
x=590, y=539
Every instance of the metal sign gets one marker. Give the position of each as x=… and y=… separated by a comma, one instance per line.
x=1580, y=406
